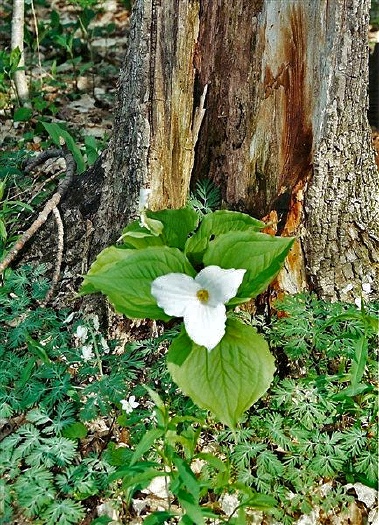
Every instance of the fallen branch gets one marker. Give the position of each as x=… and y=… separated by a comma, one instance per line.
x=59, y=257
x=50, y=205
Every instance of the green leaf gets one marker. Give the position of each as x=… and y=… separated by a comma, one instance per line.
x=14, y=59
x=192, y=508
x=141, y=479
x=92, y=149
x=260, y=502
x=3, y=185
x=359, y=361
x=125, y=277
x=38, y=350
x=57, y=133
x=164, y=227
x=230, y=378
x=108, y=257
x=3, y=230
x=214, y=461
x=146, y=443
x=351, y=391
x=103, y=520
x=217, y=223
x=22, y=114
x=262, y=255
x=155, y=397
x=76, y=430
x=187, y=477
x=158, y=517
x=139, y=237
x=131, y=470
x=154, y=226
x=177, y=225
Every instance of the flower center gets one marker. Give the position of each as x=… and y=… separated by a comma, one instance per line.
x=203, y=295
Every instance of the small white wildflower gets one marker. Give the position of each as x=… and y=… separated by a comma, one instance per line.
x=87, y=353
x=366, y=288
x=358, y=302
x=95, y=321
x=104, y=345
x=129, y=405
x=81, y=332
x=200, y=301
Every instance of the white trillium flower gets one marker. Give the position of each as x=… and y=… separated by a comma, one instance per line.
x=200, y=301
x=129, y=404
x=366, y=290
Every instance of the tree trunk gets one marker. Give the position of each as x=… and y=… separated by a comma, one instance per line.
x=17, y=41
x=285, y=132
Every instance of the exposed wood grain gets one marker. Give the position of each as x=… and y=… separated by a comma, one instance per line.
x=171, y=152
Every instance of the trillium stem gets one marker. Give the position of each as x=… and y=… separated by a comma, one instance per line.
x=97, y=353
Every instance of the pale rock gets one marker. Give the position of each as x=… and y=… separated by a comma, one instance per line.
x=158, y=487
x=106, y=509
x=373, y=517
x=365, y=494
x=229, y=503
x=138, y=505
x=309, y=519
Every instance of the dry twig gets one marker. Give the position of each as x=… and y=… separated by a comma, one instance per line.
x=59, y=257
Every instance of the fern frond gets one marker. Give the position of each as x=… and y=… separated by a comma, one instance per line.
x=206, y=197
x=64, y=512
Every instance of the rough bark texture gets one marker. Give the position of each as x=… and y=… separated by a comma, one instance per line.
x=285, y=132
x=342, y=221
x=285, y=110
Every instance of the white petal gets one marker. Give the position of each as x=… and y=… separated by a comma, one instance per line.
x=205, y=324
x=81, y=332
x=221, y=284
x=174, y=292
x=366, y=288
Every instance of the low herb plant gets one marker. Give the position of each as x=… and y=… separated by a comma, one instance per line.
x=171, y=449
x=58, y=375
x=310, y=435
x=175, y=264
x=12, y=184
x=9, y=61
x=306, y=440
x=315, y=431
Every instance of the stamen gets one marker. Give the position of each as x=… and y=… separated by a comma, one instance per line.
x=203, y=295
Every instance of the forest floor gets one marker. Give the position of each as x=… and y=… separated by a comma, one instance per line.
x=73, y=66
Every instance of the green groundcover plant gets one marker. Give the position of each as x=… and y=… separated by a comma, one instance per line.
x=173, y=264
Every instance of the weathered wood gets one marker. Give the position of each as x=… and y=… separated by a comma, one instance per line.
x=287, y=110
x=170, y=160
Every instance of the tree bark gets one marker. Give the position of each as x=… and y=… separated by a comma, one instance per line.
x=286, y=135
x=285, y=131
